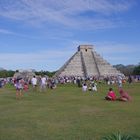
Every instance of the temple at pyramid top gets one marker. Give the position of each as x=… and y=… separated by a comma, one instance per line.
x=85, y=47
x=86, y=62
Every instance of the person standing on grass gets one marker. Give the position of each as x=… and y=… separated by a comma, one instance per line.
x=26, y=87
x=34, y=82
x=129, y=79
x=0, y=83
x=19, y=88
x=78, y=82
x=43, y=83
x=120, y=81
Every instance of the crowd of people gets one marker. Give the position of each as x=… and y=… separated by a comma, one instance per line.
x=41, y=83
x=92, y=86
x=37, y=84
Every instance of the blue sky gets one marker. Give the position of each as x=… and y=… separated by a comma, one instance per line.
x=44, y=34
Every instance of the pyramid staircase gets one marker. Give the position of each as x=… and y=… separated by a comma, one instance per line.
x=85, y=63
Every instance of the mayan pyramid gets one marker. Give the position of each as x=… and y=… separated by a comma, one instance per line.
x=85, y=63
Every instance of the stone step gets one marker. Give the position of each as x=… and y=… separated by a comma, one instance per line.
x=87, y=62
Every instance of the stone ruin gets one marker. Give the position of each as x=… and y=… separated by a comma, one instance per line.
x=24, y=74
x=86, y=62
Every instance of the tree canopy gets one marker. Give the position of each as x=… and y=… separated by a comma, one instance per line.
x=136, y=70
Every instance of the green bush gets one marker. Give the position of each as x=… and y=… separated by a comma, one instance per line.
x=119, y=136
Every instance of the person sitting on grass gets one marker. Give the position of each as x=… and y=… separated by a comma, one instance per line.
x=124, y=96
x=84, y=87
x=94, y=86
x=111, y=96
x=90, y=88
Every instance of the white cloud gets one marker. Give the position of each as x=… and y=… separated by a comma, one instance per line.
x=35, y=56
x=116, y=48
x=51, y=60
x=4, y=31
x=78, y=14
x=13, y=33
x=114, y=53
x=68, y=13
x=118, y=53
x=110, y=47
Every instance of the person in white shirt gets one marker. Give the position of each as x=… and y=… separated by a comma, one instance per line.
x=94, y=86
x=120, y=81
x=34, y=82
x=84, y=87
x=43, y=83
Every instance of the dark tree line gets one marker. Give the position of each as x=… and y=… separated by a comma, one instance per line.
x=6, y=73
x=129, y=69
x=50, y=74
x=137, y=70
x=10, y=73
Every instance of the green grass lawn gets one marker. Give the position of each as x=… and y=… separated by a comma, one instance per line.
x=66, y=113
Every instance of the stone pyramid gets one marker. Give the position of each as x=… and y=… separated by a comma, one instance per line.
x=85, y=63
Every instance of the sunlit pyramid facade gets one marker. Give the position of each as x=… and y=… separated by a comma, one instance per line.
x=86, y=63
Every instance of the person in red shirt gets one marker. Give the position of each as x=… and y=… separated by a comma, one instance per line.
x=111, y=96
x=124, y=95
x=26, y=86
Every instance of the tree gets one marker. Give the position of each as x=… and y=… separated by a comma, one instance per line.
x=136, y=70
x=50, y=74
x=5, y=73
x=126, y=70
